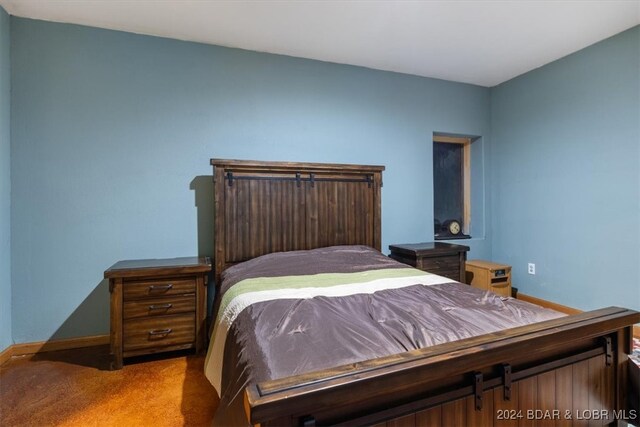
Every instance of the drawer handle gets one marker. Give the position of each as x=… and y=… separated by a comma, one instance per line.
x=157, y=332
x=160, y=287
x=160, y=307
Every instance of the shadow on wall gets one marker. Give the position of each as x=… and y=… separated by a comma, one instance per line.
x=73, y=326
x=199, y=399
x=99, y=299
x=203, y=188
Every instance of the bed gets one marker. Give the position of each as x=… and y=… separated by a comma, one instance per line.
x=409, y=356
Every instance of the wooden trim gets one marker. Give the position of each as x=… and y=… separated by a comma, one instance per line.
x=115, y=322
x=451, y=139
x=203, y=266
x=294, y=166
x=54, y=345
x=466, y=175
x=562, y=308
x=548, y=304
x=6, y=354
x=219, y=224
x=201, y=313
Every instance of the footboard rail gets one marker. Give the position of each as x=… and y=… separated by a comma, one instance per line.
x=558, y=368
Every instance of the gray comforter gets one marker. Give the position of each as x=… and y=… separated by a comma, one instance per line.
x=297, y=312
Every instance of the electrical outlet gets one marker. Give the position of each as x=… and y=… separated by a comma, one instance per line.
x=531, y=268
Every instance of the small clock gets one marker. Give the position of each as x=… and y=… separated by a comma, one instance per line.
x=454, y=227
x=449, y=229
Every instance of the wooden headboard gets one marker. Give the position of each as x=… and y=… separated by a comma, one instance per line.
x=265, y=207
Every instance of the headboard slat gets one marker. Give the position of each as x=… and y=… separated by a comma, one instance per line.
x=265, y=207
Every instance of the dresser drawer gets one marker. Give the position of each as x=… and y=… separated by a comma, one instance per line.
x=159, y=331
x=159, y=306
x=156, y=288
x=440, y=263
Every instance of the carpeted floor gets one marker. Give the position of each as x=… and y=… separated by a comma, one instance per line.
x=75, y=388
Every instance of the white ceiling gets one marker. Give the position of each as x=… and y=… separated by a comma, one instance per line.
x=479, y=42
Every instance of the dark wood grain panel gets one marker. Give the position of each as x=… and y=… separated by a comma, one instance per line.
x=406, y=421
x=429, y=417
x=275, y=216
x=564, y=395
x=269, y=216
x=278, y=207
x=505, y=407
x=454, y=414
x=159, y=287
x=608, y=388
x=546, y=399
x=580, y=390
x=596, y=386
x=159, y=331
x=115, y=322
x=159, y=306
x=445, y=262
x=339, y=214
x=527, y=399
x=480, y=417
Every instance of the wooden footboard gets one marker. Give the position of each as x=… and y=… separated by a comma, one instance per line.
x=557, y=372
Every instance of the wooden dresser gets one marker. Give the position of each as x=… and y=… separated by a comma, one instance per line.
x=157, y=305
x=443, y=259
x=489, y=276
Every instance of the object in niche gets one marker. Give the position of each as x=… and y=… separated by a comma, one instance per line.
x=449, y=229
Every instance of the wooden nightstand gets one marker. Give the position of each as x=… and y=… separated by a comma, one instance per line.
x=157, y=305
x=489, y=276
x=443, y=259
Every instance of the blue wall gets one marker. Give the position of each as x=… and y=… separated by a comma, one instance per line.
x=5, y=182
x=566, y=182
x=113, y=132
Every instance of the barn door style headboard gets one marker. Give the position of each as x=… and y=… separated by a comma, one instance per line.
x=265, y=207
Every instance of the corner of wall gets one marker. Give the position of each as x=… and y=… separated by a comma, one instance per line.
x=6, y=324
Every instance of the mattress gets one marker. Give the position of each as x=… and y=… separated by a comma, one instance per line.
x=292, y=313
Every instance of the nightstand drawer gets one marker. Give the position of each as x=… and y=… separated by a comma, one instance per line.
x=159, y=331
x=440, y=263
x=159, y=306
x=158, y=288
